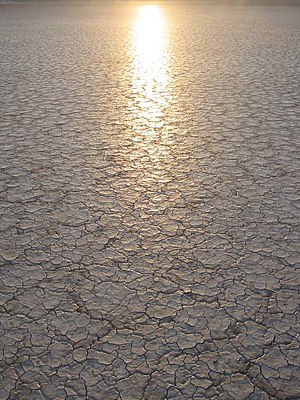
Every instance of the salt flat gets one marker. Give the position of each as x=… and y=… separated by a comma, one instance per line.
x=149, y=174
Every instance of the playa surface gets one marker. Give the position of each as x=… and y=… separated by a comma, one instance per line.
x=149, y=232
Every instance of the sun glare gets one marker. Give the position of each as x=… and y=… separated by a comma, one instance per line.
x=149, y=34
x=150, y=67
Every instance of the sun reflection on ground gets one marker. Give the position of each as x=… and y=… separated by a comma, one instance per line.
x=150, y=69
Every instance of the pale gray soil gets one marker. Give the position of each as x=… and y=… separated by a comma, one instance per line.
x=149, y=233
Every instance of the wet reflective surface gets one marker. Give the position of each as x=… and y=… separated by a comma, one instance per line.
x=149, y=205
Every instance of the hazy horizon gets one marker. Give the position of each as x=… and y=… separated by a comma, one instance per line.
x=204, y=2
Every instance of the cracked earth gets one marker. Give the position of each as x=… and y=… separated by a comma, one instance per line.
x=149, y=232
